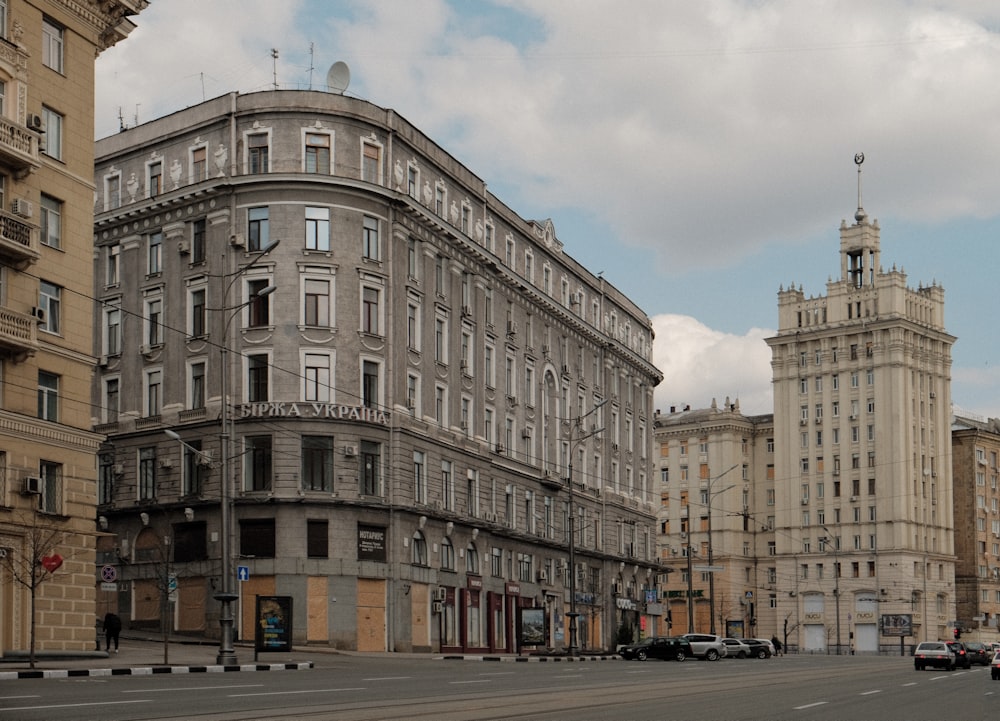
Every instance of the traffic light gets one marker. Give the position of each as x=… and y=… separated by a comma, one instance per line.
x=958, y=633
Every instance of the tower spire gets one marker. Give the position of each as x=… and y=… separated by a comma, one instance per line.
x=860, y=214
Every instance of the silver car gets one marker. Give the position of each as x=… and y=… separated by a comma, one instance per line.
x=706, y=645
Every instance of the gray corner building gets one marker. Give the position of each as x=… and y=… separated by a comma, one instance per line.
x=335, y=369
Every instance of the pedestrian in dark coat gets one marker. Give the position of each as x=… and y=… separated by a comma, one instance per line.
x=112, y=628
x=777, y=645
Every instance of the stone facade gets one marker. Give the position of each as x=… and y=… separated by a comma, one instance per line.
x=413, y=373
x=47, y=447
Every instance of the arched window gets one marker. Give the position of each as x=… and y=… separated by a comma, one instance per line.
x=472, y=559
x=419, y=549
x=447, y=555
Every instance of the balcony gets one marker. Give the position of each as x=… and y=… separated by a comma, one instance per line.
x=18, y=334
x=18, y=148
x=18, y=240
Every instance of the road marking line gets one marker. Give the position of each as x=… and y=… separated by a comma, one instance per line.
x=8, y=698
x=869, y=693
x=809, y=705
x=78, y=705
x=193, y=688
x=911, y=683
x=387, y=678
x=290, y=693
x=458, y=683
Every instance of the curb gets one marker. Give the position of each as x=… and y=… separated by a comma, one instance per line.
x=531, y=659
x=150, y=670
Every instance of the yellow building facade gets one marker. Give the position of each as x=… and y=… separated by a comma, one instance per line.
x=47, y=450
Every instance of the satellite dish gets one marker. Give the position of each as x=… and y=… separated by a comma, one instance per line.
x=338, y=77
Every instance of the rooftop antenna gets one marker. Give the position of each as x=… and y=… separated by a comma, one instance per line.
x=274, y=65
x=860, y=215
x=338, y=77
x=311, y=65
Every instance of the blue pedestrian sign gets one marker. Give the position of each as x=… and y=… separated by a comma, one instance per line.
x=243, y=573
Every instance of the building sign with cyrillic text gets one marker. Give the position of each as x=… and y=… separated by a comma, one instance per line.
x=371, y=543
x=327, y=411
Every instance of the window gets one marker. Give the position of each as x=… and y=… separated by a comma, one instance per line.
x=447, y=486
x=419, y=549
x=371, y=473
x=113, y=265
x=51, y=233
x=258, y=228
x=318, y=229
x=258, y=463
x=154, y=253
x=369, y=239
x=472, y=560
x=257, y=538
x=317, y=154
x=412, y=181
x=154, y=392
x=369, y=384
x=198, y=241
x=412, y=259
x=316, y=303
x=52, y=45
x=440, y=199
x=111, y=400
x=447, y=554
x=317, y=463
x=196, y=385
x=316, y=377
x=154, y=178
x=419, y=477
x=257, y=378
x=412, y=326
x=53, y=133
x=259, y=306
x=370, y=310
x=3, y=19
x=196, y=470
x=105, y=478
x=371, y=162
x=154, y=321
x=196, y=299
x=440, y=340
x=199, y=164
x=317, y=538
x=48, y=396
x=257, y=153
x=147, y=473
x=49, y=296
x=113, y=191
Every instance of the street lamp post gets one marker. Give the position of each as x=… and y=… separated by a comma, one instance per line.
x=836, y=581
x=574, y=442
x=711, y=569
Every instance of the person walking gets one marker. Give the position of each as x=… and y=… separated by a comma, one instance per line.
x=112, y=628
x=777, y=645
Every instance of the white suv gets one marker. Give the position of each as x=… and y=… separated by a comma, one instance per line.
x=706, y=645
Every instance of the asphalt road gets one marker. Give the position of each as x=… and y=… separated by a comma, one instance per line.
x=371, y=688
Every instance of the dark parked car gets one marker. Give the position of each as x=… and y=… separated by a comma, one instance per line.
x=758, y=648
x=978, y=653
x=995, y=666
x=961, y=656
x=667, y=648
x=936, y=654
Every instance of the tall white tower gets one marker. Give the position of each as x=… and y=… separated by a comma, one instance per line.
x=863, y=496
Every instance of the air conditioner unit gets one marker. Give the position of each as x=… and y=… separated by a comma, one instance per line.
x=437, y=607
x=119, y=469
x=184, y=247
x=22, y=207
x=410, y=404
x=614, y=447
x=350, y=451
x=803, y=421
x=854, y=416
x=805, y=501
x=854, y=499
x=103, y=361
x=512, y=400
x=237, y=240
x=166, y=463
x=40, y=314
x=440, y=593
x=525, y=433
x=933, y=394
x=205, y=458
x=819, y=420
x=511, y=328
x=465, y=425
x=145, y=349
x=836, y=471
x=34, y=122
x=543, y=576
x=32, y=485
x=466, y=311
x=499, y=447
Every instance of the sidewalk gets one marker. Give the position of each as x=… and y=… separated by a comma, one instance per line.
x=145, y=656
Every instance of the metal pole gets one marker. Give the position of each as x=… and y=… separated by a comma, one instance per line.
x=226, y=596
x=836, y=592
x=690, y=586
x=711, y=572
x=572, y=562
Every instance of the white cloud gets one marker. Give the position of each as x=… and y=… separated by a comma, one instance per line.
x=700, y=364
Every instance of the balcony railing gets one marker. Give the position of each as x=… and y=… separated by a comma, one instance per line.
x=18, y=240
x=18, y=333
x=19, y=146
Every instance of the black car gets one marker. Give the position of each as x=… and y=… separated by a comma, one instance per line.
x=667, y=648
x=758, y=649
x=978, y=653
x=961, y=656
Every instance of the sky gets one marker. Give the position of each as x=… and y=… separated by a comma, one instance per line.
x=699, y=154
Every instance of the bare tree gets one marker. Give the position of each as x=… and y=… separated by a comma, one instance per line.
x=34, y=562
